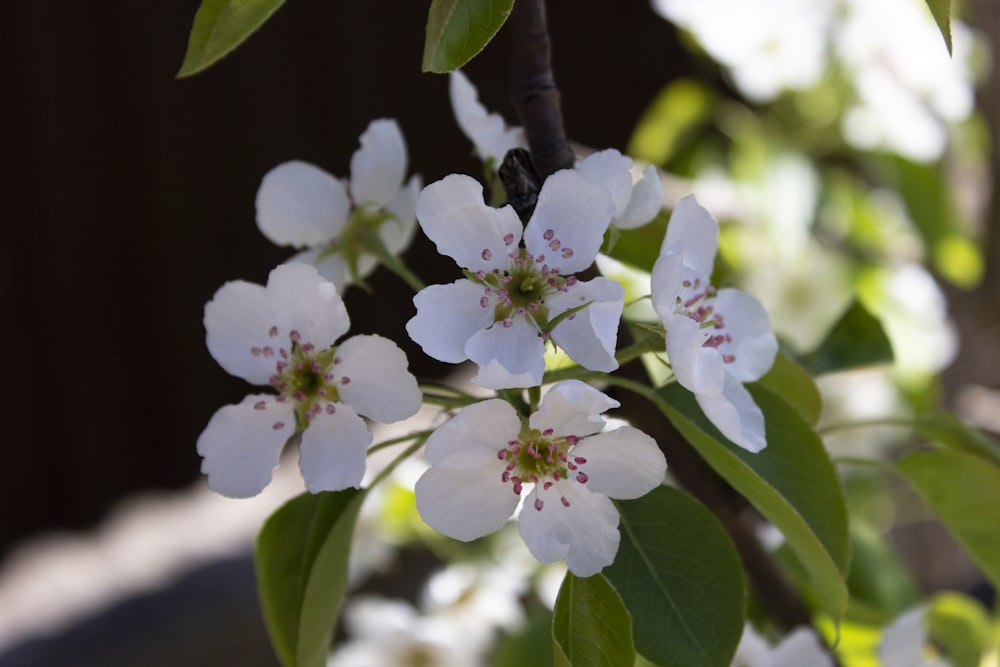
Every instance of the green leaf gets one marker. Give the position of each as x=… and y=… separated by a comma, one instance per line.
x=681, y=580
x=459, y=29
x=961, y=627
x=791, y=482
x=964, y=491
x=880, y=584
x=530, y=644
x=941, y=11
x=301, y=560
x=220, y=26
x=591, y=627
x=949, y=431
x=670, y=120
x=794, y=384
x=856, y=340
x=640, y=247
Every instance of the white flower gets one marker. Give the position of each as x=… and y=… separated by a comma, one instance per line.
x=904, y=642
x=343, y=228
x=489, y=132
x=282, y=335
x=800, y=648
x=638, y=196
x=485, y=457
x=716, y=340
x=515, y=297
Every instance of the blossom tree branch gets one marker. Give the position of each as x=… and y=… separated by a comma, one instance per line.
x=537, y=101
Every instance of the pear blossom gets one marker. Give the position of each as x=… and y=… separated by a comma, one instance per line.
x=716, y=339
x=637, y=195
x=487, y=458
x=488, y=132
x=517, y=296
x=800, y=648
x=342, y=229
x=904, y=642
x=283, y=335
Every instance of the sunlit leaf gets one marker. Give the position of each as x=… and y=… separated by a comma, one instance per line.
x=941, y=11
x=220, y=26
x=792, y=482
x=459, y=29
x=677, y=109
x=793, y=383
x=301, y=560
x=680, y=579
x=961, y=627
x=591, y=627
x=856, y=340
x=949, y=431
x=964, y=491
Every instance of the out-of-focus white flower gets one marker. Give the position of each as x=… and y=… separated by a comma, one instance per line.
x=907, y=84
x=904, y=642
x=389, y=633
x=800, y=648
x=283, y=335
x=637, y=195
x=488, y=132
x=343, y=229
x=716, y=340
x=514, y=297
x=485, y=457
x=767, y=46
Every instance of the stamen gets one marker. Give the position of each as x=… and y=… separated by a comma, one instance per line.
x=582, y=477
x=548, y=235
x=278, y=426
x=567, y=253
x=508, y=239
x=538, y=504
x=563, y=500
x=487, y=254
x=259, y=405
x=295, y=336
x=272, y=332
x=255, y=351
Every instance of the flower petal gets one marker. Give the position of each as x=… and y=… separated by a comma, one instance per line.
x=331, y=267
x=735, y=414
x=693, y=231
x=572, y=407
x=237, y=320
x=242, y=443
x=646, y=201
x=398, y=232
x=487, y=131
x=697, y=368
x=378, y=167
x=624, y=463
x=333, y=449
x=301, y=205
x=569, y=221
x=472, y=438
x=454, y=216
x=466, y=503
x=447, y=316
x=666, y=282
x=379, y=385
x=802, y=647
x=584, y=531
x=508, y=357
x=589, y=336
x=303, y=301
x=610, y=169
x=753, y=345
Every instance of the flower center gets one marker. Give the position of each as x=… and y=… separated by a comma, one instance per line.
x=304, y=375
x=521, y=290
x=698, y=303
x=540, y=457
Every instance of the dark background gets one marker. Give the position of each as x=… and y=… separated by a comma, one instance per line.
x=126, y=200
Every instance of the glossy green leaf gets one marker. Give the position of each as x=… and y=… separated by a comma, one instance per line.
x=301, y=560
x=964, y=491
x=220, y=26
x=459, y=29
x=640, y=247
x=941, y=11
x=880, y=584
x=792, y=482
x=856, y=340
x=591, y=627
x=949, y=431
x=793, y=383
x=681, y=580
